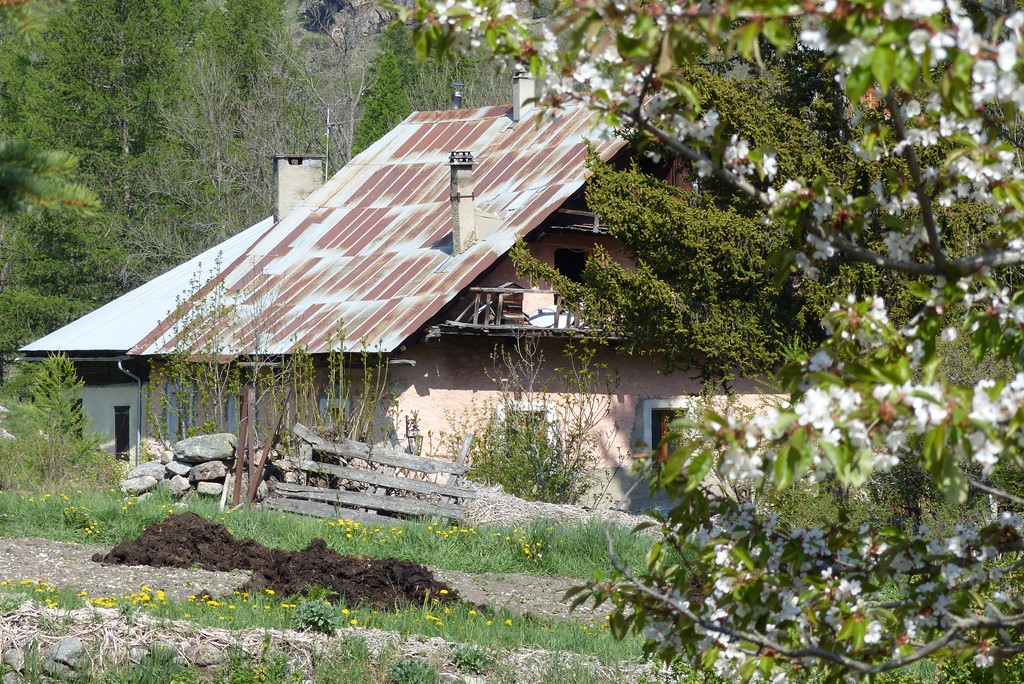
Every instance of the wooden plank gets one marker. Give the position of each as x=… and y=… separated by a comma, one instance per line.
x=388, y=457
x=324, y=510
x=257, y=477
x=243, y=435
x=380, y=479
x=453, y=479
x=509, y=290
x=382, y=503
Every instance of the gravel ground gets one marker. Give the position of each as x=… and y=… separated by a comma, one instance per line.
x=70, y=566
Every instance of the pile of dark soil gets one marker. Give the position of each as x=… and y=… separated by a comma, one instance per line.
x=186, y=540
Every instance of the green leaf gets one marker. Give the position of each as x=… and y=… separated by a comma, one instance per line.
x=699, y=466
x=883, y=67
x=858, y=82
x=743, y=556
x=746, y=40
x=787, y=461
x=953, y=483
x=847, y=630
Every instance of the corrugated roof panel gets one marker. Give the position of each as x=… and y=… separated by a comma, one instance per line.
x=372, y=246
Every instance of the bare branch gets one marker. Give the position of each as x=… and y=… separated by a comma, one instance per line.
x=923, y=198
x=998, y=493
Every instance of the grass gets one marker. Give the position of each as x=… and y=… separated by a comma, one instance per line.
x=540, y=548
x=464, y=624
x=107, y=517
x=348, y=663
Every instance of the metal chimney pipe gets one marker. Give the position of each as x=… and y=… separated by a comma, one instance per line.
x=457, y=95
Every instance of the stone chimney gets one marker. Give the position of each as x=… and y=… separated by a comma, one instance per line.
x=295, y=178
x=463, y=212
x=457, y=95
x=522, y=90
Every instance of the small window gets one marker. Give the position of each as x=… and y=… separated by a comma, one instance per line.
x=656, y=416
x=570, y=263
x=122, y=431
x=661, y=424
x=527, y=419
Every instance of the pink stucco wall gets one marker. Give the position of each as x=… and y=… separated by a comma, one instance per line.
x=453, y=389
x=455, y=377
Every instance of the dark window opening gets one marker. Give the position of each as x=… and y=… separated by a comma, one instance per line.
x=661, y=424
x=570, y=263
x=122, y=431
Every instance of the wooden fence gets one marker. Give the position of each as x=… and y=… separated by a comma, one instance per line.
x=370, y=484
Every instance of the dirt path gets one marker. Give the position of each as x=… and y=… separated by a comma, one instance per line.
x=70, y=566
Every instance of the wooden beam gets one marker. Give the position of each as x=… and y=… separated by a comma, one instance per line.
x=467, y=442
x=349, y=449
x=324, y=510
x=393, y=504
x=375, y=477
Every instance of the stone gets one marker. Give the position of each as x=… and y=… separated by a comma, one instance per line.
x=139, y=485
x=14, y=658
x=449, y=678
x=136, y=654
x=179, y=468
x=210, y=488
x=210, y=470
x=66, y=658
x=205, y=655
x=152, y=468
x=179, y=485
x=166, y=456
x=13, y=678
x=202, y=448
x=4, y=434
x=262, y=491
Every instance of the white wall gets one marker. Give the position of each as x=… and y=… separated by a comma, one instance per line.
x=98, y=402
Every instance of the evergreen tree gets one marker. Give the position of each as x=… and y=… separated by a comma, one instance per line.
x=394, y=71
x=704, y=295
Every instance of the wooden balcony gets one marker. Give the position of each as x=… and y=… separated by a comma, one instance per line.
x=511, y=310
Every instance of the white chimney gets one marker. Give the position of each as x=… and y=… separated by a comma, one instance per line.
x=522, y=90
x=295, y=178
x=463, y=212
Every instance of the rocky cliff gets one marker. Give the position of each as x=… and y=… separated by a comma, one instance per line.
x=346, y=18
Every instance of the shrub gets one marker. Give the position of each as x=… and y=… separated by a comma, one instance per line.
x=472, y=659
x=317, y=615
x=411, y=671
x=52, y=444
x=540, y=444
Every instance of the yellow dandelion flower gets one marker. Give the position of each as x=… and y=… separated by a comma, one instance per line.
x=508, y=622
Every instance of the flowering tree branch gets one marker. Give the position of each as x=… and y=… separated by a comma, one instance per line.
x=760, y=595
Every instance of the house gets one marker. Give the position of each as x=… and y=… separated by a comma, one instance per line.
x=407, y=248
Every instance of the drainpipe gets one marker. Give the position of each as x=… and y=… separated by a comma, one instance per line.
x=138, y=419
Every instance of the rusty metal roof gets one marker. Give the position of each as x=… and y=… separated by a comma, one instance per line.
x=371, y=250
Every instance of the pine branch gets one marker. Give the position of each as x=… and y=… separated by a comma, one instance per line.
x=30, y=177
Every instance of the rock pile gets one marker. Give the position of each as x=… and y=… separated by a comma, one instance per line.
x=67, y=659
x=199, y=463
